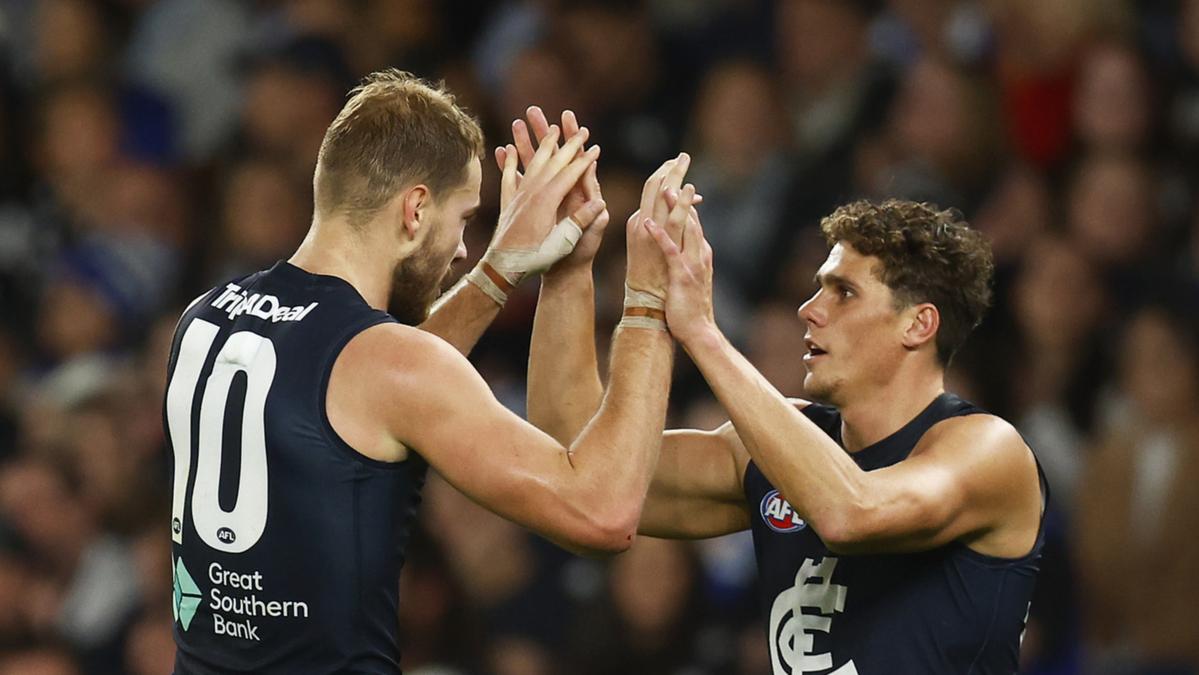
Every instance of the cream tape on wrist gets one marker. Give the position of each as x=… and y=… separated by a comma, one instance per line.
x=643, y=310
x=515, y=265
x=491, y=282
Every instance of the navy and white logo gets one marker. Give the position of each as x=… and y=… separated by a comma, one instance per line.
x=779, y=515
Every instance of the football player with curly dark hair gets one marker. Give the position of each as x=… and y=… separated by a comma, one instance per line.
x=897, y=527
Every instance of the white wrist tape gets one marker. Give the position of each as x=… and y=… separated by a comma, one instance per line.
x=490, y=282
x=643, y=310
x=499, y=272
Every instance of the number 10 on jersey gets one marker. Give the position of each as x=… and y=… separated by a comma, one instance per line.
x=236, y=530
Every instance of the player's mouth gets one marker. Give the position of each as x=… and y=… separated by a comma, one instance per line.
x=815, y=351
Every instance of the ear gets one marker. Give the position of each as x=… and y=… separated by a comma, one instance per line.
x=923, y=323
x=414, y=207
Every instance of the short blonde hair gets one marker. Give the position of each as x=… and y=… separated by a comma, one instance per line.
x=395, y=131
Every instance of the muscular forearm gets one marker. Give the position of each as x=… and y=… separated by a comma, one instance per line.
x=616, y=453
x=815, y=475
x=461, y=315
x=564, y=385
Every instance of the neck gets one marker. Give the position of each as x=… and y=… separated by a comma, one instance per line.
x=336, y=250
x=871, y=417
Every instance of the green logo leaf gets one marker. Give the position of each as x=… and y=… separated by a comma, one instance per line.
x=187, y=595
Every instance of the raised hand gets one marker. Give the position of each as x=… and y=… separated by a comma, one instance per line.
x=647, y=270
x=575, y=205
x=529, y=237
x=689, y=263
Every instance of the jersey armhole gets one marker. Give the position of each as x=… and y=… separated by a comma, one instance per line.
x=322, y=392
x=1039, y=542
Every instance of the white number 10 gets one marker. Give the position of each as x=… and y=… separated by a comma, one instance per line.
x=237, y=530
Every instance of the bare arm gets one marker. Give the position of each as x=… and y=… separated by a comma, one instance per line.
x=697, y=489
x=564, y=388
x=564, y=384
x=966, y=475
x=461, y=316
x=587, y=498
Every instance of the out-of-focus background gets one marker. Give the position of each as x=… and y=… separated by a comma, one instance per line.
x=150, y=149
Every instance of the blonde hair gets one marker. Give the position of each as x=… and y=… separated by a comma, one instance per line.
x=395, y=131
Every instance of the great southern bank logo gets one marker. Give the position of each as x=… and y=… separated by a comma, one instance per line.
x=779, y=515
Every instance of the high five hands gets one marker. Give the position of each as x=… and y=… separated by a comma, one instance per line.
x=583, y=203
x=668, y=257
x=544, y=210
x=667, y=247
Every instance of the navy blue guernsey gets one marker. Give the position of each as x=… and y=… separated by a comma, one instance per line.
x=949, y=610
x=287, y=544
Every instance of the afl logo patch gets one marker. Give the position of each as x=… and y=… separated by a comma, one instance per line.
x=778, y=514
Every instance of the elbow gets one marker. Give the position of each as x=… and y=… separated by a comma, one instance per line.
x=844, y=530
x=616, y=535
x=837, y=537
x=609, y=534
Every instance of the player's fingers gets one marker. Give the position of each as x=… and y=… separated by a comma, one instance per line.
x=679, y=213
x=588, y=213
x=653, y=187
x=694, y=243
x=545, y=151
x=662, y=205
x=671, y=197
x=674, y=178
x=570, y=124
x=537, y=122
x=601, y=221
x=567, y=177
x=524, y=144
x=667, y=245
x=649, y=194
x=591, y=186
x=509, y=179
x=569, y=151
x=500, y=155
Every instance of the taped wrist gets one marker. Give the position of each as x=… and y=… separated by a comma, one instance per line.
x=643, y=310
x=493, y=284
x=500, y=271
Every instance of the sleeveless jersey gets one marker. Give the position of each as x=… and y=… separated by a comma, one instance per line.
x=287, y=544
x=949, y=610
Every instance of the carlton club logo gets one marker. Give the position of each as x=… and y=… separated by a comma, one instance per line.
x=779, y=515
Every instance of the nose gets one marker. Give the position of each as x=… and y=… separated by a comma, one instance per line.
x=461, y=252
x=809, y=311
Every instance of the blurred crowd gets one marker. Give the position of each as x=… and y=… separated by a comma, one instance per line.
x=150, y=149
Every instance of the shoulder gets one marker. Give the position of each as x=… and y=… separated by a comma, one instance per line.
x=983, y=431
x=393, y=350
x=396, y=375
x=990, y=453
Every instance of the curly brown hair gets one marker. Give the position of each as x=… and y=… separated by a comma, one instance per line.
x=926, y=254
